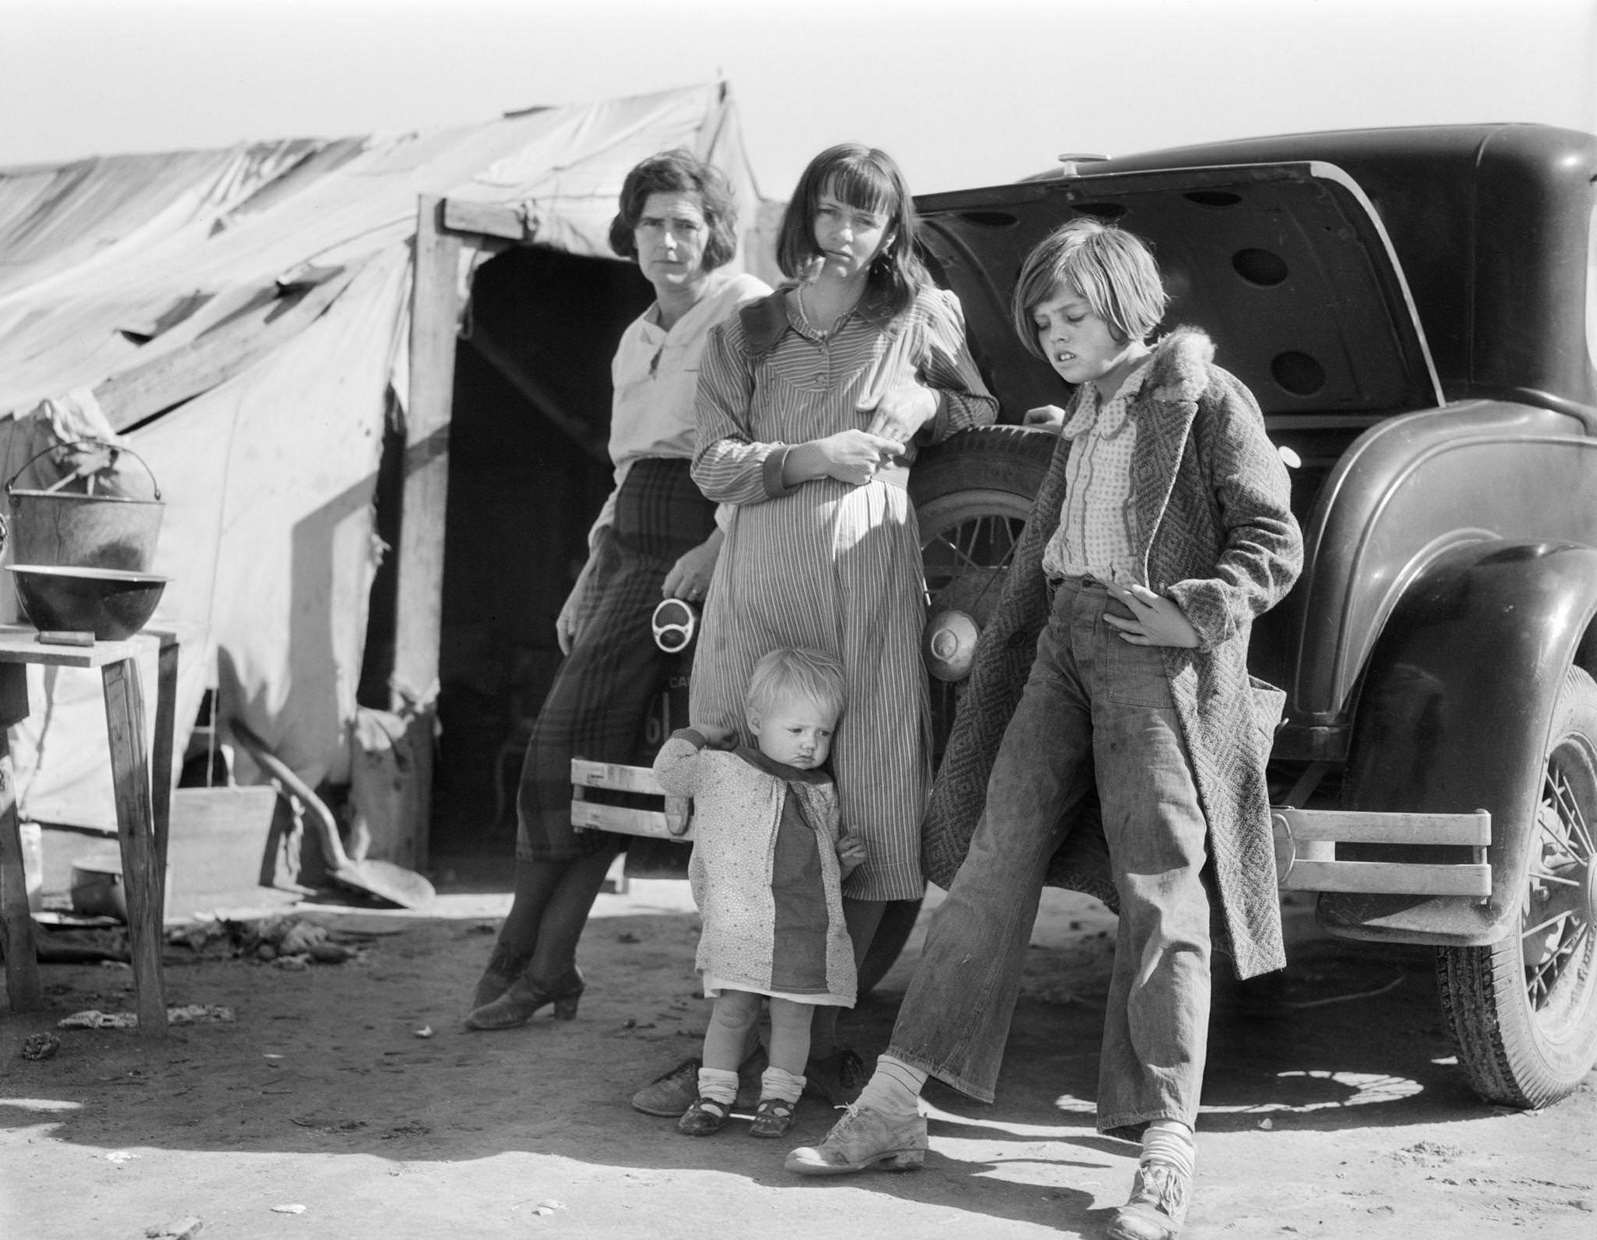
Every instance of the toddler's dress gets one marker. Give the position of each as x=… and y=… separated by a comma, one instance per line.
x=764, y=872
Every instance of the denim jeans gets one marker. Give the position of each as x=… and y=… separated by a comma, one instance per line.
x=1094, y=707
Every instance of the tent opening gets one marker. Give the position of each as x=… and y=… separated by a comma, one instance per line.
x=528, y=472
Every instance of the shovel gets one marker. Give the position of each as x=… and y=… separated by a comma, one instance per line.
x=382, y=879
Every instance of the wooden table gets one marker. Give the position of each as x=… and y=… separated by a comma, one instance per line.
x=142, y=783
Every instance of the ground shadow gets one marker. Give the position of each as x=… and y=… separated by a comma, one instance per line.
x=369, y=1058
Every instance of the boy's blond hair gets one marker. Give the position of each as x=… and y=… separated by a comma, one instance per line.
x=790, y=671
x=1112, y=270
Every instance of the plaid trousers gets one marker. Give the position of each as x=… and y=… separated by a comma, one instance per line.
x=596, y=706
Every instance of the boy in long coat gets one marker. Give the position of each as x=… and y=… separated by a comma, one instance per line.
x=1163, y=528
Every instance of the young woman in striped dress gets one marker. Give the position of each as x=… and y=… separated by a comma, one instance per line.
x=811, y=405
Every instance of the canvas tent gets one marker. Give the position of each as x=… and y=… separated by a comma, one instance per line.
x=265, y=325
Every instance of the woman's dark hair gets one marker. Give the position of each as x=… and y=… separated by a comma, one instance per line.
x=863, y=177
x=679, y=172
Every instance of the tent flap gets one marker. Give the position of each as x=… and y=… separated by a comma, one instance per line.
x=242, y=316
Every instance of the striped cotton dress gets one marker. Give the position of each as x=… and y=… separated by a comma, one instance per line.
x=827, y=564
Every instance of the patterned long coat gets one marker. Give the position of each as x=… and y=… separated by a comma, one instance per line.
x=1214, y=525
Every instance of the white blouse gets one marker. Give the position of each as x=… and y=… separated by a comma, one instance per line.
x=655, y=377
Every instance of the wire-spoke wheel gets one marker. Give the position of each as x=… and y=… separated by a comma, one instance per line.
x=972, y=494
x=1524, y=1011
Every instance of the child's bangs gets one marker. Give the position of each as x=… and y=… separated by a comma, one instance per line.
x=1083, y=277
x=861, y=184
x=813, y=692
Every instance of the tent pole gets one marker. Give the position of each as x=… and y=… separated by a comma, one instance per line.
x=434, y=314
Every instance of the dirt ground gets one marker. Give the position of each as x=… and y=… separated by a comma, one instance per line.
x=346, y=1100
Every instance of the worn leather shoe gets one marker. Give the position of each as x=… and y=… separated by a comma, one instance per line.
x=673, y=1092
x=864, y=1138
x=518, y=1004
x=503, y=968
x=1158, y=1205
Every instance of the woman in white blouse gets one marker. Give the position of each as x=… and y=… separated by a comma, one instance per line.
x=655, y=537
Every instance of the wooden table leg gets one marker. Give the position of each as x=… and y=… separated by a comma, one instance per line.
x=16, y=921
x=161, y=755
x=143, y=871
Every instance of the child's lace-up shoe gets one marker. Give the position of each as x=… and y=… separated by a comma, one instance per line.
x=861, y=1139
x=1158, y=1204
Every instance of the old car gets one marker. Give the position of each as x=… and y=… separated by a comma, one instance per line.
x=1414, y=309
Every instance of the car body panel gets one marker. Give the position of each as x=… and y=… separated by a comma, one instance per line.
x=1405, y=493
x=1285, y=265
x=1416, y=311
x=1491, y=224
x=1454, y=717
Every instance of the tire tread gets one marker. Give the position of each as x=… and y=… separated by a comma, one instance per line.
x=1482, y=989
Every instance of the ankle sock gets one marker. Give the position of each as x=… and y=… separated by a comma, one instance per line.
x=718, y=1085
x=1170, y=1143
x=894, y=1087
x=776, y=1083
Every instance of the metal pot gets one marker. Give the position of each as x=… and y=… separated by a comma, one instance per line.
x=83, y=529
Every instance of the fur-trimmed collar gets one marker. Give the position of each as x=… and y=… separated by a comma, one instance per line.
x=1179, y=371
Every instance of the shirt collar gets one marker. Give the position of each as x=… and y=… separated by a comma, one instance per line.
x=1119, y=408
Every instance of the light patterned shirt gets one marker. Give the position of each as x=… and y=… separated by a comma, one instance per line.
x=1096, y=535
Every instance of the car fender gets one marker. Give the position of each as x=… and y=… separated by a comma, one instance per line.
x=1453, y=715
